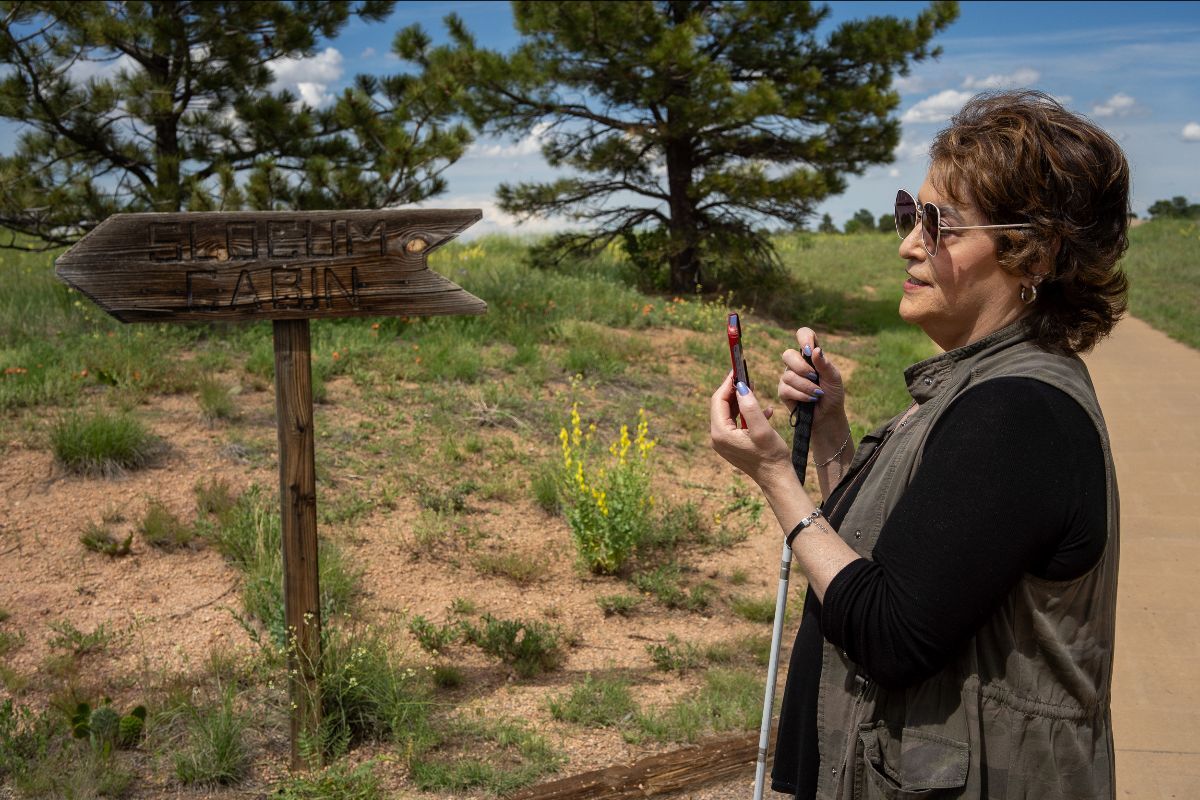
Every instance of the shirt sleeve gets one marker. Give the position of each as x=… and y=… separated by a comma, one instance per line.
x=1011, y=481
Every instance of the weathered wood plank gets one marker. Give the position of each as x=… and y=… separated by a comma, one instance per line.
x=269, y=265
x=689, y=768
x=298, y=509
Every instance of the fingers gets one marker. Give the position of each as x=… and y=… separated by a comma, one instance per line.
x=722, y=413
x=795, y=388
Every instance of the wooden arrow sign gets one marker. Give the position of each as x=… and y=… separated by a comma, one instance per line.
x=211, y=266
x=289, y=267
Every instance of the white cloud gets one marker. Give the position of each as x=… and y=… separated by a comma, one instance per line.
x=908, y=84
x=1191, y=132
x=309, y=77
x=937, y=108
x=1119, y=105
x=368, y=53
x=893, y=173
x=1024, y=76
x=494, y=220
x=529, y=145
x=908, y=150
x=85, y=69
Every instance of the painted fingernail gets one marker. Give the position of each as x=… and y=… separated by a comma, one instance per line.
x=812, y=376
x=807, y=350
x=742, y=388
x=818, y=393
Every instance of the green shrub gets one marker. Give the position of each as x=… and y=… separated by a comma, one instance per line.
x=674, y=655
x=216, y=400
x=447, y=676
x=70, y=639
x=98, y=539
x=530, y=647
x=433, y=638
x=753, y=650
x=608, y=505
x=102, y=444
x=214, y=750
x=664, y=583
x=366, y=694
x=546, y=484
x=597, y=703
x=618, y=604
x=161, y=528
x=214, y=497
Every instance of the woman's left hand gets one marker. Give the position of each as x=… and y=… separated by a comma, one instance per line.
x=757, y=449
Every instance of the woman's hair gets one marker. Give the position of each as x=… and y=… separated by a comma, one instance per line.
x=1020, y=156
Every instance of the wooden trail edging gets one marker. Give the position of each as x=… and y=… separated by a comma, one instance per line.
x=689, y=768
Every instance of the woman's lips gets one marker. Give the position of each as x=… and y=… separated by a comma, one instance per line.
x=913, y=284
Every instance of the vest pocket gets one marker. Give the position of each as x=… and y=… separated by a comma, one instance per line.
x=909, y=764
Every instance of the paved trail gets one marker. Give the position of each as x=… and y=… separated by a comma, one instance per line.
x=1149, y=388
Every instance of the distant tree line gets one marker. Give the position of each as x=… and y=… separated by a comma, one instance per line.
x=1176, y=208
x=684, y=129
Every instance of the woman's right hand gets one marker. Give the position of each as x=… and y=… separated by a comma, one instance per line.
x=796, y=385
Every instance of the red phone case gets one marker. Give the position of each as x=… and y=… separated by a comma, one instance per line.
x=733, y=330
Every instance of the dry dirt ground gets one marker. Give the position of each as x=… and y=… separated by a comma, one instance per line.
x=168, y=612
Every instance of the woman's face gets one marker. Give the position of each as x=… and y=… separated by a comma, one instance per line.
x=961, y=294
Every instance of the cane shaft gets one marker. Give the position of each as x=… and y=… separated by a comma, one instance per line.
x=764, y=733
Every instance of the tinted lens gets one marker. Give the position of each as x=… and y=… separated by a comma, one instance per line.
x=930, y=228
x=906, y=213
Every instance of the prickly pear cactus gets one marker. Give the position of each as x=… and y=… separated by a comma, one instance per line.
x=130, y=728
x=106, y=726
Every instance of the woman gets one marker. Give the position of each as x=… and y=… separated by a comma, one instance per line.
x=957, y=635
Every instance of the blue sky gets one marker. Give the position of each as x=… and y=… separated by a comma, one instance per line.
x=1132, y=67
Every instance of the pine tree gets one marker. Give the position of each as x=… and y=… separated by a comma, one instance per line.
x=185, y=119
x=687, y=125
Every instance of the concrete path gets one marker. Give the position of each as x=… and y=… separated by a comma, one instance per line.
x=1149, y=388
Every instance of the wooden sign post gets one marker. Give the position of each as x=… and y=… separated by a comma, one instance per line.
x=288, y=267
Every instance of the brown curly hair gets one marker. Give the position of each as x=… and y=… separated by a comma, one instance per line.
x=1019, y=156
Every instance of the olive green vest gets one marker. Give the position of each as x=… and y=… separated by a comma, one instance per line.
x=1022, y=710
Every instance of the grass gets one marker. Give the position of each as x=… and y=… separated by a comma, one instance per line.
x=754, y=609
x=99, y=539
x=728, y=700
x=674, y=655
x=249, y=535
x=598, y=702
x=161, y=528
x=496, y=756
x=1162, y=266
x=214, y=497
x=521, y=570
x=664, y=583
x=215, y=399
x=621, y=605
x=102, y=444
x=214, y=750
x=71, y=640
x=338, y=781
x=433, y=638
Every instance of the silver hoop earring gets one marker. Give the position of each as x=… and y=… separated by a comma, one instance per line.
x=1032, y=294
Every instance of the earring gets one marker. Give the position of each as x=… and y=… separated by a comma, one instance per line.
x=1032, y=294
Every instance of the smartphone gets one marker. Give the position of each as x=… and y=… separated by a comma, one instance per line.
x=733, y=330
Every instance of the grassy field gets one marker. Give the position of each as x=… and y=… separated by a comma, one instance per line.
x=479, y=403
x=1163, y=264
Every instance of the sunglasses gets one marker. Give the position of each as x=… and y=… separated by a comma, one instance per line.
x=909, y=212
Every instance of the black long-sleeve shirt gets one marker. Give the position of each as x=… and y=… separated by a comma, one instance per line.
x=1011, y=482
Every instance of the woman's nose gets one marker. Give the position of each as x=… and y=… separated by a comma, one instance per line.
x=911, y=247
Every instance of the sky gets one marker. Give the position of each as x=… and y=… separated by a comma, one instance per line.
x=1134, y=68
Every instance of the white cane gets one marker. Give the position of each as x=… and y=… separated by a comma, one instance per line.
x=764, y=733
x=802, y=416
